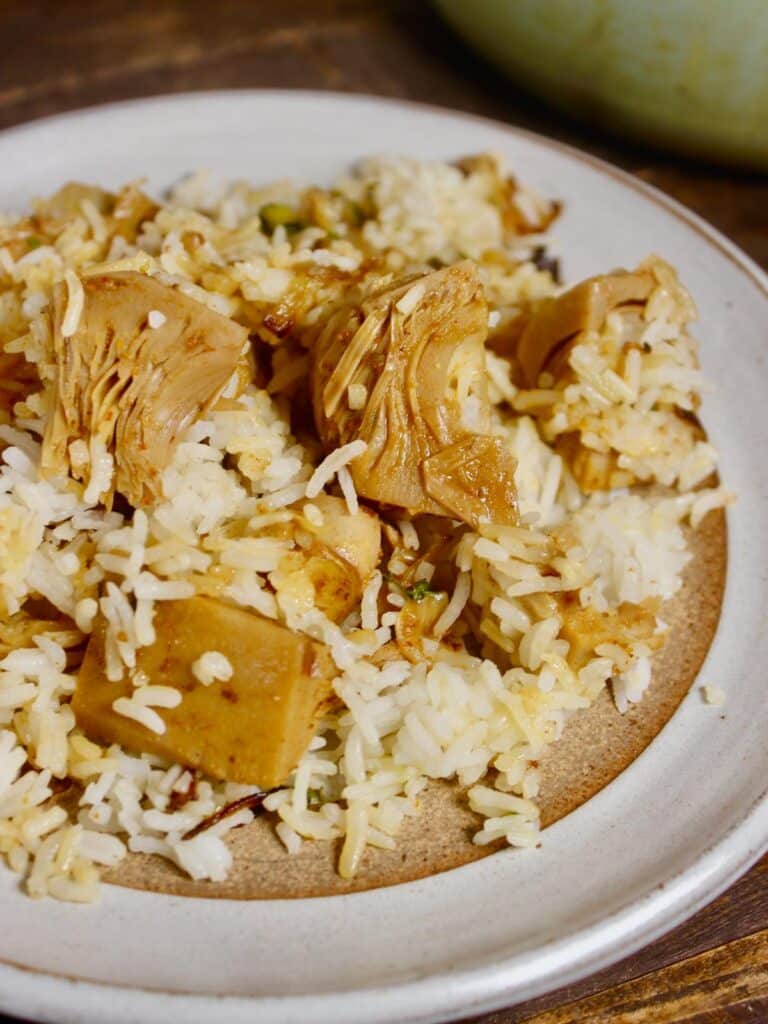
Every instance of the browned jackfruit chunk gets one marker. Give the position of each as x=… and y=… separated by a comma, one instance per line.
x=123, y=213
x=533, y=215
x=582, y=308
x=135, y=387
x=415, y=354
x=474, y=480
x=54, y=213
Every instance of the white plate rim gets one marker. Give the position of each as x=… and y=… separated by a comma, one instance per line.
x=438, y=996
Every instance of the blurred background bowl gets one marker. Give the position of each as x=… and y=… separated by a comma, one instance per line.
x=688, y=75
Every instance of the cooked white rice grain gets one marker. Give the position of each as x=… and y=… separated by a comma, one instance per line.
x=212, y=667
x=331, y=464
x=75, y=304
x=714, y=695
x=130, y=708
x=155, y=318
x=455, y=606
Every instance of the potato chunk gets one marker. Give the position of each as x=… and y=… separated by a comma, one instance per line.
x=123, y=213
x=354, y=538
x=251, y=729
x=336, y=555
x=585, y=629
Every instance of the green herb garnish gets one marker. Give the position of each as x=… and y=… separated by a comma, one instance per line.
x=314, y=797
x=275, y=215
x=33, y=243
x=419, y=591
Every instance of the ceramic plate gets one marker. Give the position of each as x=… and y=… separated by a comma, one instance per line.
x=670, y=833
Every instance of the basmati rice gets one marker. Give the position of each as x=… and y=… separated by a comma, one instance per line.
x=211, y=667
x=237, y=504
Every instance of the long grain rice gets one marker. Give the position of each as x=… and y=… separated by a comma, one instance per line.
x=230, y=517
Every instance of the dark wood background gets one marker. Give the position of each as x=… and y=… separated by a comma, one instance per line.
x=63, y=55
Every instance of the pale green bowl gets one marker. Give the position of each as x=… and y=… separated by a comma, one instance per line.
x=690, y=75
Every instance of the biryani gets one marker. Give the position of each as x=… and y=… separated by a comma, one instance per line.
x=312, y=495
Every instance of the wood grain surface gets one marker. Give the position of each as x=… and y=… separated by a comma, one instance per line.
x=63, y=55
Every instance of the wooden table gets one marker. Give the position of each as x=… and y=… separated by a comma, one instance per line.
x=62, y=55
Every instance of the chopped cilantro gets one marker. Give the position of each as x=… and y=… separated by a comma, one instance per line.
x=417, y=592
x=420, y=590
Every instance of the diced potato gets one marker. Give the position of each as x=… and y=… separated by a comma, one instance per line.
x=335, y=583
x=337, y=558
x=585, y=629
x=416, y=621
x=130, y=211
x=251, y=729
x=318, y=578
x=592, y=470
x=356, y=539
x=37, y=617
